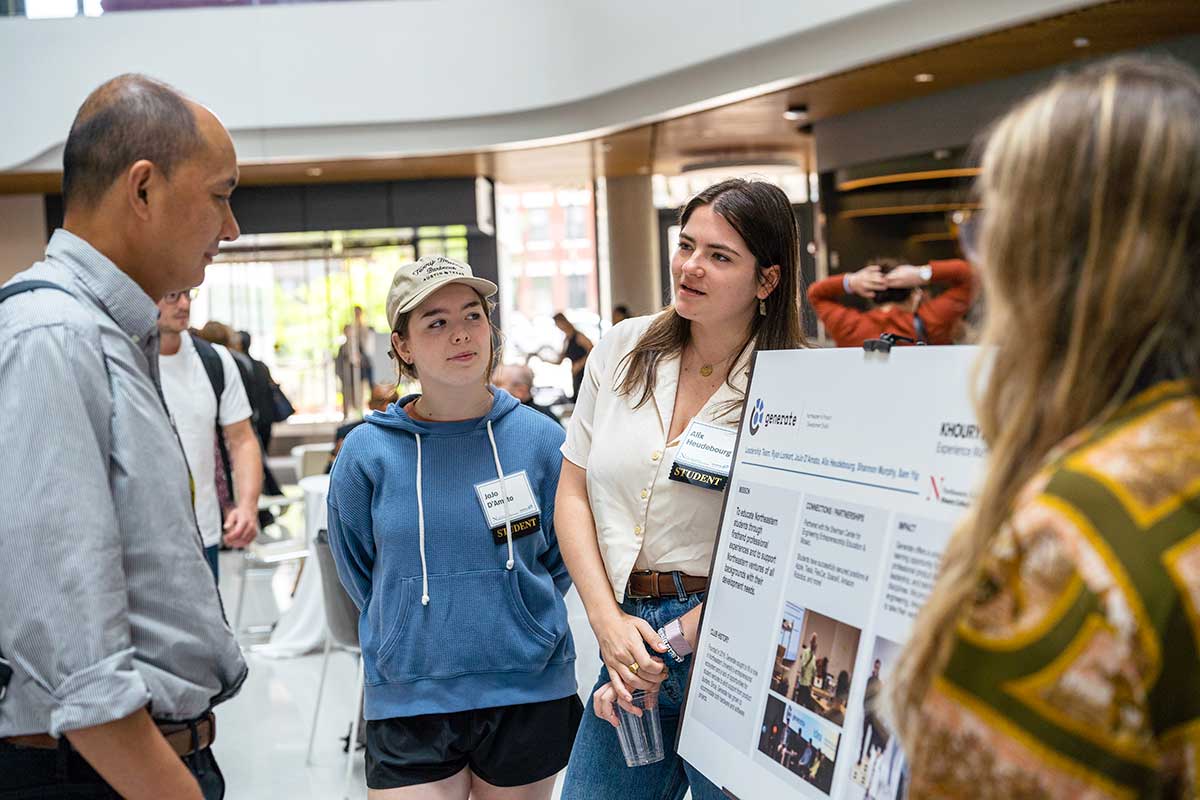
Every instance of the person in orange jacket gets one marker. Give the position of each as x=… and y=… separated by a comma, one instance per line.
x=899, y=305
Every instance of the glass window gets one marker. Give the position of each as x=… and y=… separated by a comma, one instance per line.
x=541, y=295
x=537, y=221
x=547, y=259
x=295, y=293
x=577, y=222
x=577, y=290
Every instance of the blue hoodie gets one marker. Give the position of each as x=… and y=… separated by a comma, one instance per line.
x=453, y=615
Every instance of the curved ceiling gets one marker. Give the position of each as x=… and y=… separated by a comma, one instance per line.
x=579, y=140
x=392, y=78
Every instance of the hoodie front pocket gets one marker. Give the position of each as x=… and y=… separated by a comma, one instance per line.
x=475, y=622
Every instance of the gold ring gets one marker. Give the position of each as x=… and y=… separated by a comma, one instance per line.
x=633, y=668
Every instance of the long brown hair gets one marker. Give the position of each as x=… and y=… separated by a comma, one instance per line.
x=762, y=215
x=1090, y=251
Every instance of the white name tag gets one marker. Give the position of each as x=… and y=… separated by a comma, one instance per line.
x=524, y=515
x=705, y=456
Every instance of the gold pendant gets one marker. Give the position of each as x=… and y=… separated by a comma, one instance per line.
x=706, y=370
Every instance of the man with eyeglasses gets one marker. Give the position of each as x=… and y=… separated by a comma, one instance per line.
x=114, y=644
x=210, y=425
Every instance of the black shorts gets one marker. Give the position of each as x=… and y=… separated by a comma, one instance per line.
x=505, y=746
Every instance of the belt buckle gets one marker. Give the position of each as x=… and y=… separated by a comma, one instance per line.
x=630, y=593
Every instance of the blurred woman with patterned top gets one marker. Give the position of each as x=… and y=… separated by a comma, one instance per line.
x=1059, y=653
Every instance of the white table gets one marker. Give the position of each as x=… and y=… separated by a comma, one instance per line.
x=301, y=629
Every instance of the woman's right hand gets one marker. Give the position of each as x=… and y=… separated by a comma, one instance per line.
x=623, y=639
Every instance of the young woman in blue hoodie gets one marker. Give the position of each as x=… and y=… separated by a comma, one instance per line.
x=441, y=521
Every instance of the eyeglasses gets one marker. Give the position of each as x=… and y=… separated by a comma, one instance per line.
x=969, y=223
x=173, y=297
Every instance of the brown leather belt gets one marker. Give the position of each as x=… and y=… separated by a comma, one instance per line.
x=177, y=734
x=646, y=583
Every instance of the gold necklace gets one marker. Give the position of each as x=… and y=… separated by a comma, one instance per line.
x=706, y=370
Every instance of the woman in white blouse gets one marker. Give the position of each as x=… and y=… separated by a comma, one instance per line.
x=638, y=544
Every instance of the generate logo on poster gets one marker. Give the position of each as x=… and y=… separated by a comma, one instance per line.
x=759, y=418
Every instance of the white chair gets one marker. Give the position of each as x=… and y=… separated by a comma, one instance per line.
x=341, y=634
x=311, y=459
x=261, y=559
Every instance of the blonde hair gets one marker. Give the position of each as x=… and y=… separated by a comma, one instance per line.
x=1089, y=248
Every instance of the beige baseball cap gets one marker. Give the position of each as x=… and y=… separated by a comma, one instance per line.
x=413, y=282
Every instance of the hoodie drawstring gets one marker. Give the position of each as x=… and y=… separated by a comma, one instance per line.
x=421, y=528
x=421, y=513
x=503, y=496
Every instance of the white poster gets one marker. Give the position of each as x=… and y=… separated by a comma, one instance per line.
x=850, y=471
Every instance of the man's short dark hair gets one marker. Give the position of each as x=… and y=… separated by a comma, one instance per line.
x=245, y=338
x=886, y=265
x=129, y=118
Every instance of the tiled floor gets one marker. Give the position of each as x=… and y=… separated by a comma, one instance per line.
x=263, y=732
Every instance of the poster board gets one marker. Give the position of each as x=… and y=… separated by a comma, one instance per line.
x=850, y=471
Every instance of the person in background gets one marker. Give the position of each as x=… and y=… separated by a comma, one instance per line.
x=896, y=293
x=1058, y=654
x=517, y=380
x=836, y=712
x=620, y=313
x=203, y=390
x=874, y=735
x=806, y=674
x=382, y=395
x=215, y=332
x=110, y=613
x=262, y=410
x=638, y=544
x=576, y=347
x=259, y=392
x=441, y=525
x=364, y=338
x=347, y=365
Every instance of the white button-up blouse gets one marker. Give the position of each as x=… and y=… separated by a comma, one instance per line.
x=644, y=519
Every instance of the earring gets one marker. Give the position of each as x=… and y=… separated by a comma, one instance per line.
x=762, y=308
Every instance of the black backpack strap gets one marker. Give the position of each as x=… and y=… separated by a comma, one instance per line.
x=921, y=330
x=212, y=367
x=215, y=369
x=28, y=286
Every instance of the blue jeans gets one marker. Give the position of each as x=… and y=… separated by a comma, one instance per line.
x=597, y=769
x=213, y=556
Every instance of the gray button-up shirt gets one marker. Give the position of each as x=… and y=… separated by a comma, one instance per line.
x=106, y=602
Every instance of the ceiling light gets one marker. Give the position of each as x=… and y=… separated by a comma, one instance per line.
x=1082, y=41
x=941, y=155
x=606, y=147
x=314, y=172
x=796, y=113
x=923, y=77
